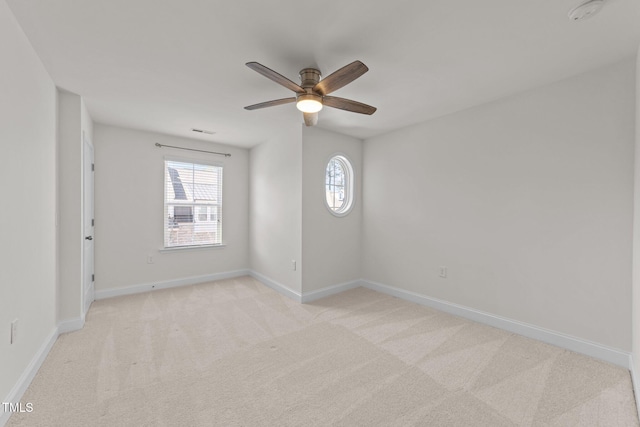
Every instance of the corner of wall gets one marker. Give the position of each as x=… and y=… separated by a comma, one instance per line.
x=320, y=229
x=635, y=286
x=275, y=220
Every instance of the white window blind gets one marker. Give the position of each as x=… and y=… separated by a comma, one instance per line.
x=192, y=204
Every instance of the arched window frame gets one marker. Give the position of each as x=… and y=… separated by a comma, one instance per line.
x=349, y=194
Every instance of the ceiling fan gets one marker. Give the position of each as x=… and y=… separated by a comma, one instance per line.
x=312, y=93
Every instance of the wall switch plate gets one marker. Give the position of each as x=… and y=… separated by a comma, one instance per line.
x=14, y=331
x=293, y=264
x=443, y=271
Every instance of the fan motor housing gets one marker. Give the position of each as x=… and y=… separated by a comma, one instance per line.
x=309, y=77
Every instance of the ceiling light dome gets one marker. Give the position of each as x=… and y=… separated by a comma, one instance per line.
x=309, y=103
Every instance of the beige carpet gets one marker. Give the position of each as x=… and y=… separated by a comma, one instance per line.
x=235, y=352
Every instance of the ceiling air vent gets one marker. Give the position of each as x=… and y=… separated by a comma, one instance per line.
x=208, y=132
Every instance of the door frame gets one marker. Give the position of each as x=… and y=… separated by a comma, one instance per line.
x=88, y=224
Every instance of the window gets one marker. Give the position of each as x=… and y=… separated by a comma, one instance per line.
x=183, y=214
x=192, y=204
x=339, y=185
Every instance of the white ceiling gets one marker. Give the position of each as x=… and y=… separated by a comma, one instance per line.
x=169, y=66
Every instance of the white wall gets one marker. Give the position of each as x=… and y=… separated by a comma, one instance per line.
x=330, y=244
x=276, y=205
x=28, y=207
x=129, y=203
x=527, y=201
x=86, y=122
x=70, y=239
x=636, y=247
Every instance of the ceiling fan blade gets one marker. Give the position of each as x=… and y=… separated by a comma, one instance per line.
x=271, y=103
x=340, y=78
x=348, y=105
x=310, y=119
x=272, y=75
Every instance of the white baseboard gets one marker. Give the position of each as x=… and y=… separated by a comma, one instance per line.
x=276, y=286
x=29, y=373
x=89, y=297
x=635, y=384
x=146, y=287
x=304, y=297
x=329, y=290
x=71, y=325
x=599, y=351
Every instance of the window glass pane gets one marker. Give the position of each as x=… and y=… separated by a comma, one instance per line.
x=202, y=213
x=337, y=185
x=183, y=213
x=193, y=199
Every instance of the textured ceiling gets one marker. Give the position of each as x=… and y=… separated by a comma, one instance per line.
x=169, y=66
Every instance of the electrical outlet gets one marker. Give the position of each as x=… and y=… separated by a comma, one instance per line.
x=149, y=259
x=14, y=331
x=443, y=271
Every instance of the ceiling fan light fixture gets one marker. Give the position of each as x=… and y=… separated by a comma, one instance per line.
x=309, y=103
x=313, y=93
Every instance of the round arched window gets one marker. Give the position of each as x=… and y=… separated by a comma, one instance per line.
x=339, y=185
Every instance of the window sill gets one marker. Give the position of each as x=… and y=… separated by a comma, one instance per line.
x=191, y=248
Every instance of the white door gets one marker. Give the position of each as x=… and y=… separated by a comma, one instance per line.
x=88, y=223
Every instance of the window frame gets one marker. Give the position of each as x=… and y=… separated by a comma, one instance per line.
x=219, y=206
x=349, y=187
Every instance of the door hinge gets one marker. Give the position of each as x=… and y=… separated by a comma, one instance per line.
x=93, y=167
x=93, y=277
x=93, y=222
